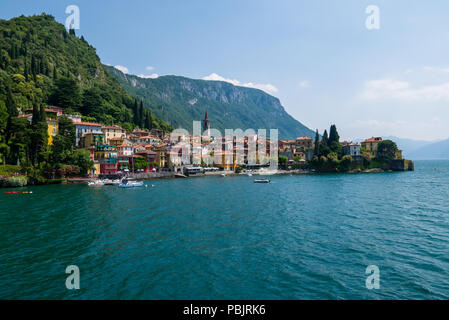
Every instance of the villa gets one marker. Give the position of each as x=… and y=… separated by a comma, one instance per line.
x=81, y=128
x=370, y=145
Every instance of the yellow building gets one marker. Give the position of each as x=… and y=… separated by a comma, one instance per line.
x=52, y=123
x=52, y=129
x=370, y=145
x=113, y=132
x=91, y=139
x=161, y=156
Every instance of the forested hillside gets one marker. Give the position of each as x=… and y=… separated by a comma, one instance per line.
x=40, y=63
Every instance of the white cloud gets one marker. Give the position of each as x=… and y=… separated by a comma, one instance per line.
x=151, y=76
x=149, y=68
x=402, y=91
x=268, y=88
x=304, y=84
x=122, y=68
x=436, y=69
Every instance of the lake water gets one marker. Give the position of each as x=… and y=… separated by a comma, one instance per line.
x=300, y=237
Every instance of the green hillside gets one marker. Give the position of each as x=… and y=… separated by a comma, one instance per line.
x=40, y=63
x=180, y=100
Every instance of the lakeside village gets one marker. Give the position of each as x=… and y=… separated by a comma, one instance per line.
x=100, y=151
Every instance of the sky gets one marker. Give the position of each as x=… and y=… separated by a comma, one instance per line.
x=317, y=56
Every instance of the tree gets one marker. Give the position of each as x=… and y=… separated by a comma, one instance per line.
x=283, y=160
x=63, y=142
x=140, y=163
x=17, y=137
x=387, y=149
x=345, y=163
x=11, y=105
x=148, y=120
x=3, y=117
x=325, y=139
x=92, y=103
x=66, y=94
x=4, y=149
x=39, y=139
x=333, y=135
x=141, y=123
x=137, y=118
x=81, y=158
x=324, y=148
x=317, y=143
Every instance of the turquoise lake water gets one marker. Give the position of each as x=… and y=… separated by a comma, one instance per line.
x=300, y=237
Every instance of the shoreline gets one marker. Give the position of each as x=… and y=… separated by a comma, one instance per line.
x=224, y=174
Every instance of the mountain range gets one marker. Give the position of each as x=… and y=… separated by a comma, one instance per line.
x=180, y=100
x=420, y=149
x=432, y=151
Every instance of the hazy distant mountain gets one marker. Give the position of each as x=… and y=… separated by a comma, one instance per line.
x=180, y=100
x=437, y=150
x=408, y=146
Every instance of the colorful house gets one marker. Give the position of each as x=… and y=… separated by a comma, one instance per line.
x=91, y=139
x=53, y=127
x=370, y=145
x=113, y=132
x=150, y=158
x=82, y=128
x=107, y=158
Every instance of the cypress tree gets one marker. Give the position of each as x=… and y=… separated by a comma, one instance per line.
x=333, y=135
x=148, y=120
x=325, y=139
x=25, y=70
x=141, y=115
x=33, y=65
x=11, y=106
x=317, y=143
x=136, y=113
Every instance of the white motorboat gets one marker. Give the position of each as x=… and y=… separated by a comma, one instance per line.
x=96, y=183
x=263, y=180
x=126, y=183
x=110, y=182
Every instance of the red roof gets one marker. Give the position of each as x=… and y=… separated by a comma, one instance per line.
x=373, y=139
x=92, y=124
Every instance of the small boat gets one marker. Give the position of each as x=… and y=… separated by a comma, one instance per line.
x=263, y=180
x=250, y=174
x=18, y=192
x=96, y=183
x=109, y=182
x=126, y=183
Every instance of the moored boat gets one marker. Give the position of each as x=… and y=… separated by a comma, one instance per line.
x=96, y=183
x=263, y=180
x=110, y=182
x=126, y=183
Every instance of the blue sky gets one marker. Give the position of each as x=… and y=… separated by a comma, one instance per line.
x=316, y=56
